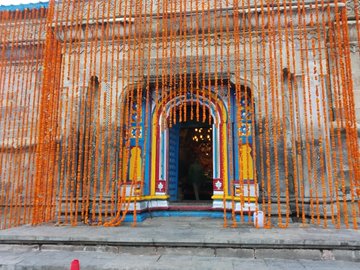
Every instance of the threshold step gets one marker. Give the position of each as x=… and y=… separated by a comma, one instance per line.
x=190, y=206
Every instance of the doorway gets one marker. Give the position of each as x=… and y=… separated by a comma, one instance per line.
x=191, y=160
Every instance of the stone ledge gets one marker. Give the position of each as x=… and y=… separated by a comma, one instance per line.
x=277, y=244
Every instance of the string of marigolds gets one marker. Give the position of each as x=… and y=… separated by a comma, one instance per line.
x=351, y=126
x=110, y=106
x=81, y=130
x=13, y=102
x=180, y=52
x=282, y=115
x=103, y=74
x=254, y=75
x=236, y=44
x=9, y=105
x=266, y=158
x=281, y=123
x=74, y=184
x=342, y=82
x=18, y=125
x=336, y=139
x=318, y=73
x=4, y=19
x=39, y=16
x=297, y=97
x=44, y=127
x=119, y=197
x=246, y=97
x=294, y=112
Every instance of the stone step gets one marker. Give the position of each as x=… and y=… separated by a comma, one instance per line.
x=249, y=253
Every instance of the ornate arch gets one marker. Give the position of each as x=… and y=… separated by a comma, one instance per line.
x=159, y=140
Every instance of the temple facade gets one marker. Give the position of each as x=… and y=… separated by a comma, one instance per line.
x=121, y=110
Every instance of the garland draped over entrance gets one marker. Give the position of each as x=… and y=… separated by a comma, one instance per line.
x=89, y=90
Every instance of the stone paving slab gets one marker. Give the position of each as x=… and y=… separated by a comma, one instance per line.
x=179, y=243
x=56, y=260
x=185, y=232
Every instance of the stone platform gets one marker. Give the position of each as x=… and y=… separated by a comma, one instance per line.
x=175, y=242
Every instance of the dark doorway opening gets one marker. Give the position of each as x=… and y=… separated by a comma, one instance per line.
x=195, y=160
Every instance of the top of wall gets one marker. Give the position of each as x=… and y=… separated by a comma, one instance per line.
x=39, y=4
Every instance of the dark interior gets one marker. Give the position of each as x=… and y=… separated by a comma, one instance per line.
x=195, y=160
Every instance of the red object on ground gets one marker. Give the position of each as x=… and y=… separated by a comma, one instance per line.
x=75, y=265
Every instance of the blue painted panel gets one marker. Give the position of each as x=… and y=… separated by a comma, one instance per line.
x=234, y=136
x=173, y=165
x=147, y=170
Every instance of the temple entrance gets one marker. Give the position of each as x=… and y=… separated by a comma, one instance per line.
x=191, y=159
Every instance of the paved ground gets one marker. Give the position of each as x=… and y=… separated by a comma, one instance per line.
x=98, y=260
x=180, y=231
x=179, y=243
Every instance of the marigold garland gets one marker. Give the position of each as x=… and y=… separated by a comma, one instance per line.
x=83, y=83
